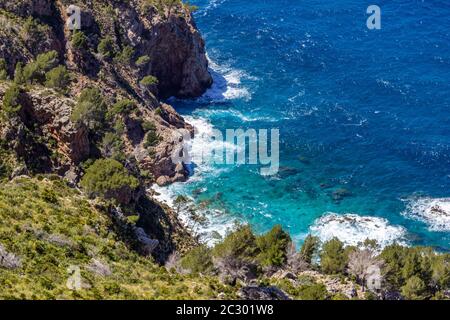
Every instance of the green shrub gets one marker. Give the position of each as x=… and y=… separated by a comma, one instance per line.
x=19, y=77
x=149, y=81
x=273, y=247
x=11, y=101
x=333, y=258
x=58, y=78
x=309, y=248
x=126, y=55
x=240, y=245
x=313, y=292
x=3, y=70
x=35, y=71
x=414, y=289
x=148, y=126
x=90, y=109
x=106, y=47
x=198, y=260
x=142, y=61
x=122, y=107
x=79, y=40
x=112, y=147
x=109, y=179
x=152, y=139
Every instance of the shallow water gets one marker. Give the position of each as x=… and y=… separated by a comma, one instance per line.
x=360, y=110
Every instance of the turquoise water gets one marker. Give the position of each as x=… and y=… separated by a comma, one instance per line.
x=361, y=110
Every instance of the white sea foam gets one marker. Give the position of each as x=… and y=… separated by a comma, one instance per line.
x=353, y=229
x=227, y=84
x=434, y=212
x=236, y=114
x=217, y=221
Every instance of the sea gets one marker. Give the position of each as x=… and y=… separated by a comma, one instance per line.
x=363, y=116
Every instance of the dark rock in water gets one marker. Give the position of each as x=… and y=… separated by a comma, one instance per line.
x=304, y=160
x=325, y=185
x=197, y=192
x=340, y=194
x=285, y=172
x=262, y=293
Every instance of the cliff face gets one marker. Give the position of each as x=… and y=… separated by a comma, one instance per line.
x=163, y=44
x=120, y=44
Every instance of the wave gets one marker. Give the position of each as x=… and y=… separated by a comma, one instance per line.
x=435, y=212
x=227, y=84
x=353, y=229
x=218, y=223
x=210, y=113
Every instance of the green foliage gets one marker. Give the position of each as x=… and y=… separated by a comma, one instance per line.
x=122, y=107
x=35, y=71
x=152, y=139
x=149, y=81
x=58, y=78
x=106, y=47
x=3, y=71
x=333, y=258
x=414, y=289
x=112, y=147
x=109, y=179
x=148, y=126
x=198, y=260
x=126, y=55
x=240, y=245
x=90, y=109
x=79, y=40
x=142, y=61
x=313, y=292
x=51, y=227
x=19, y=77
x=309, y=248
x=272, y=247
x=11, y=101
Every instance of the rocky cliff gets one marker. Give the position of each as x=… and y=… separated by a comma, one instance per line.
x=138, y=51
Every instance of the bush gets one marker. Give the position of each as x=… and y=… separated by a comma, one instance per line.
x=152, y=139
x=149, y=81
x=309, y=248
x=106, y=47
x=58, y=78
x=35, y=71
x=126, y=55
x=90, y=109
x=112, y=147
x=198, y=260
x=109, y=179
x=3, y=71
x=11, y=101
x=333, y=258
x=122, y=107
x=142, y=61
x=240, y=245
x=19, y=77
x=273, y=247
x=313, y=292
x=414, y=289
x=79, y=40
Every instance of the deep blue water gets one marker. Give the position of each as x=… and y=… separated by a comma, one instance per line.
x=365, y=110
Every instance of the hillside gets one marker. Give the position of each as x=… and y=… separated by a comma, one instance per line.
x=84, y=133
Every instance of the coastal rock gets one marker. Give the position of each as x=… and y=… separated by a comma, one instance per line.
x=163, y=181
x=262, y=293
x=9, y=260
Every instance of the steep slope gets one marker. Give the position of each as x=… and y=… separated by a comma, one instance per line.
x=50, y=232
